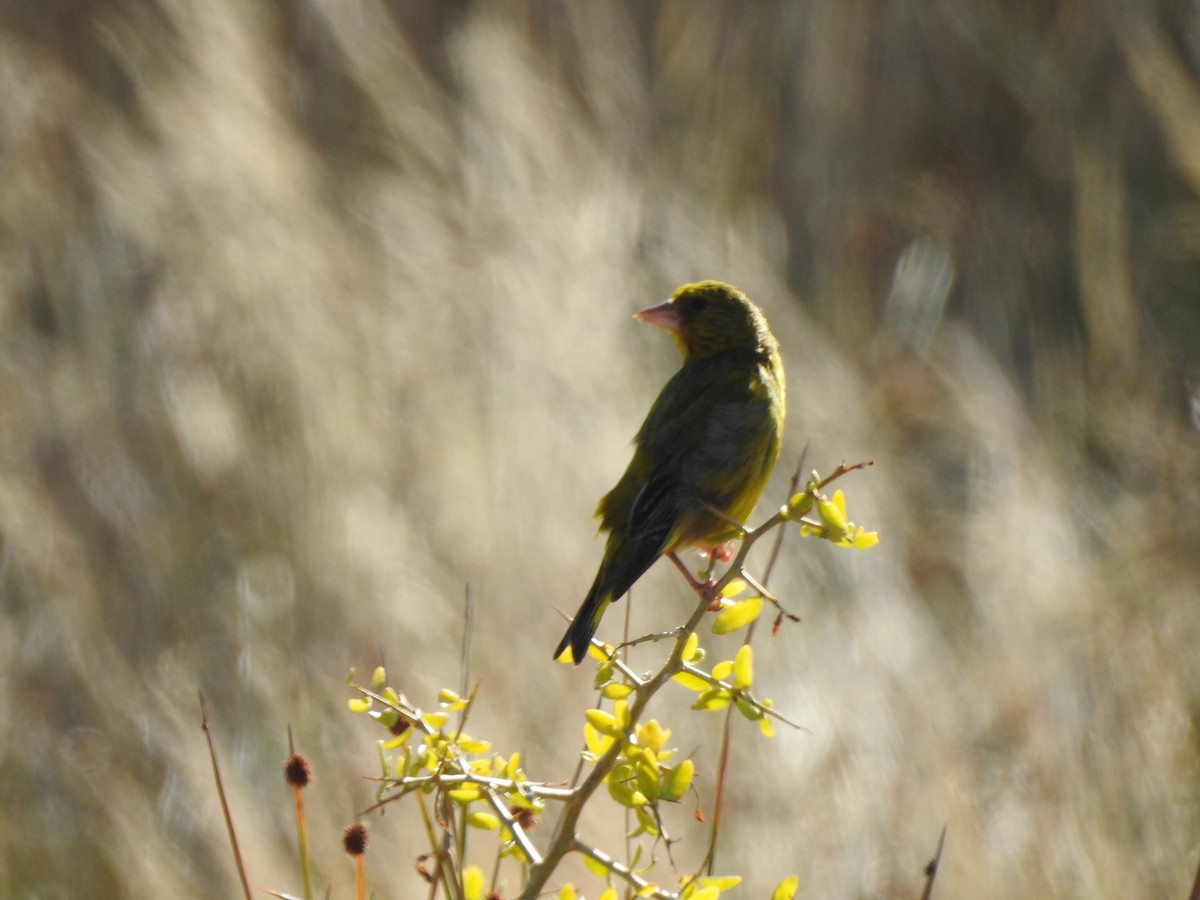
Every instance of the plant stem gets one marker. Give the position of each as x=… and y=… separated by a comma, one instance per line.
x=564, y=838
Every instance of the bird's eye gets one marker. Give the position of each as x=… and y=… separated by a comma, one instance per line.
x=692, y=304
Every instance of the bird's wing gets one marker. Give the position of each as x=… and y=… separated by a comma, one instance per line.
x=654, y=513
x=689, y=452
x=670, y=439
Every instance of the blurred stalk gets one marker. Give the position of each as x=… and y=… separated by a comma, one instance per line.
x=1168, y=91
x=1102, y=249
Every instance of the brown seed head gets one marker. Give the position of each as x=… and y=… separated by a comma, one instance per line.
x=297, y=771
x=524, y=818
x=355, y=839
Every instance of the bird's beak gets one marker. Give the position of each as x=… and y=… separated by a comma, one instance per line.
x=665, y=316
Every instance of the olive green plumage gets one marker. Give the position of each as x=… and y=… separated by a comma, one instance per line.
x=710, y=440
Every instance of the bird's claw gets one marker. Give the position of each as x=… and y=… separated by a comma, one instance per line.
x=722, y=553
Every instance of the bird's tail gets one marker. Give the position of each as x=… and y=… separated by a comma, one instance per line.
x=587, y=620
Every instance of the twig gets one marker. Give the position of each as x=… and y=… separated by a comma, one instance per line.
x=931, y=868
x=728, y=519
x=212, y=754
x=793, y=486
x=710, y=856
x=845, y=469
x=652, y=638
x=452, y=836
x=621, y=657
x=563, y=839
x=468, y=631
x=767, y=595
x=526, y=788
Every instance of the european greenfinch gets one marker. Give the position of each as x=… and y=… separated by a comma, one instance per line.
x=708, y=443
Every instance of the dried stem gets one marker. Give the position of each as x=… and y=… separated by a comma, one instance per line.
x=931, y=867
x=212, y=755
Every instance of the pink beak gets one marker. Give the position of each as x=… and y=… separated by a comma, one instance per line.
x=665, y=316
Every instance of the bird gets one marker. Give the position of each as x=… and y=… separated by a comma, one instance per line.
x=704, y=451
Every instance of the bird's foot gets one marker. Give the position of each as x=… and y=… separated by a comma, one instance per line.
x=721, y=554
x=706, y=590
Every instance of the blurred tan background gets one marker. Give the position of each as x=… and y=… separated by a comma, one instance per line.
x=314, y=313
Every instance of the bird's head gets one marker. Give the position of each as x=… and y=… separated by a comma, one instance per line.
x=710, y=318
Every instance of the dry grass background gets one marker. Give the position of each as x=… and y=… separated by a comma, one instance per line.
x=314, y=313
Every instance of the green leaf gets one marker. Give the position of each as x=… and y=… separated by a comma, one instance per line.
x=691, y=647
x=378, y=679
x=473, y=883
x=717, y=698
x=566, y=892
x=721, y=882
x=786, y=889
x=597, y=653
x=604, y=674
x=747, y=709
x=627, y=796
x=596, y=742
x=690, y=681
x=385, y=717
x=621, y=716
x=735, y=587
x=677, y=780
x=597, y=868
x=465, y=794
x=647, y=775
x=723, y=669
x=435, y=720
x=616, y=691
x=743, y=666
x=864, y=540
x=359, y=704
x=832, y=514
x=799, y=506
x=652, y=735
x=482, y=819
x=603, y=722
x=621, y=773
x=637, y=858
x=739, y=615
x=646, y=820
